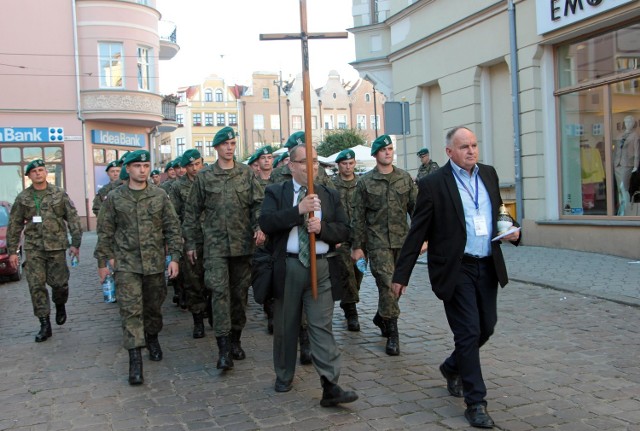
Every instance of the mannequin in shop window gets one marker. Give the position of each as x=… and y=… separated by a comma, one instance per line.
x=592, y=173
x=626, y=158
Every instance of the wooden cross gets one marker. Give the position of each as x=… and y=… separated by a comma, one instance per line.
x=304, y=37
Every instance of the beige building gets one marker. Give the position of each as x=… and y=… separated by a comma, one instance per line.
x=558, y=149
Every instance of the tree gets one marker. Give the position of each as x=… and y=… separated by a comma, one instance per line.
x=341, y=139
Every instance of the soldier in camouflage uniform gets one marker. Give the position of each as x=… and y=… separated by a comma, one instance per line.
x=283, y=173
x=41, y=210
x=264, y=158
x=281, y=160
x=171, y=177
x=345, y=182
x=383, y=199
x=136, y=223
x=155, y=177
x=252, y=162
x=193, y=274
x=427, y=165
x=230, y=196
x=113, y=170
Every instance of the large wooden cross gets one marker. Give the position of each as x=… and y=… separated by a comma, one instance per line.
x=304, y=37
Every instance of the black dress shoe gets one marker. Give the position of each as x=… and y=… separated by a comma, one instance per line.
x=332, y=394
x=478, y=417
x=281, y=386
x=454, y=383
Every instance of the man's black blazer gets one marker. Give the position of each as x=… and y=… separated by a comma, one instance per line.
x=278, y=216
x=439, y=219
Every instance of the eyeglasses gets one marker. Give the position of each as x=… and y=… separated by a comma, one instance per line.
x=304, y=161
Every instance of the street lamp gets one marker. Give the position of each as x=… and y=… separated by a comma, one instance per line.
x=284, y=86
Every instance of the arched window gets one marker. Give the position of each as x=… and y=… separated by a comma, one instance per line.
x=208, y=95
x=367, y=97
x=219, y=95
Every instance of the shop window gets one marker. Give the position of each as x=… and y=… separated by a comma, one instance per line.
x=110, y=156
x=10, y=155
x=98, y=156
x=31, y=153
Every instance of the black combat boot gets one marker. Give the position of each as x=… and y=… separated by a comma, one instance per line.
x=236, y=347
x=305, y=347
x=135, y=367
x=225, y=361
x=153, y=345
x=198, y=325
x=393, y=340
x=61, y=314
x=382, y=324
x=45, y=329
x=351, y=314
x=332, y=394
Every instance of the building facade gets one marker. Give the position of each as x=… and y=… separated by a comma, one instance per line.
x=560, y=149
x=80, y=88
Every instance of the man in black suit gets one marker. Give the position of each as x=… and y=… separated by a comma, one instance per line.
x=287, y=217
x=456, y=212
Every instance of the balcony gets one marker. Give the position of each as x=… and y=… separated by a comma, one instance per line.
x=168, y=41
x=169, y=123
x=126, y=107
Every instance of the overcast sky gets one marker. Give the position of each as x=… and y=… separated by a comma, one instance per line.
x=222, y=38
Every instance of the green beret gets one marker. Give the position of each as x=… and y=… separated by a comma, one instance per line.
x=114, y=164
x=124, y=176
x=176, y=162
x=190, y=156
x=168, y=166
x=280, y=158
x=223, y=135
x=32, y=165
x=254, y=158
x=423, y=151
x=137, y=156
x=155, y=172
x=122, y=157
x=263, y=150
x=347, y=154
x=380, y=142
x=295, y=139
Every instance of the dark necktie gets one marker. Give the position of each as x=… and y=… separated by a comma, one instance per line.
x=303, y=235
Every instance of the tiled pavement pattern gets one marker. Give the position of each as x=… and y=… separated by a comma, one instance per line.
x=559, y=360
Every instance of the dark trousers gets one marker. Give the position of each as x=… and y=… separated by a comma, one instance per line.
x=472, y=316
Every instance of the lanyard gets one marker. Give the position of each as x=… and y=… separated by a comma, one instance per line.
x=475, y=201
x=37, y=201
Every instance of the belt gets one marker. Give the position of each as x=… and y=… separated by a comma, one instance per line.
x=469, y=258
x=318, y=256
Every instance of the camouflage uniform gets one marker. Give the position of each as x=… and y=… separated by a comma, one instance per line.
x=134, y=228
x=45, y=243
x=167, y=184
x=101, y=196
x=352, y=276
x=230, y=200
x=193, y=274
x=178, y=282
x=427, y=169
x=379, y=226
x=283, y=173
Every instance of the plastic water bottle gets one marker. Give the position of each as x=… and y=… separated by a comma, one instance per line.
x=109, y=289
x=74, y=261
x=361, y=264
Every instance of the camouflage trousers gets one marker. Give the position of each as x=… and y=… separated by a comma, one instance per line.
x=42, y=268
x=351, y=276
x=140, y=299
x=382, y=262
x=193, y=276
x=228, y=280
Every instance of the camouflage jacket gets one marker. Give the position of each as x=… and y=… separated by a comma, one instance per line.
x=179, y=195
x=56, y=208
x=230, y=200
x=166, y=185
x=135, y=232
x=283, y=173
x=347, y=191
x=101, y=196
x=426, y=170
x=380, y=207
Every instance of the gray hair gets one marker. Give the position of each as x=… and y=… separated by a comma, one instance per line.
x=450, y=133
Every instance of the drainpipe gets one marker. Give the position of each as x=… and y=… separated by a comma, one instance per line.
x=76, y=60
x=515, y=101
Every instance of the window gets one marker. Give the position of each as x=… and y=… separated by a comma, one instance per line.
x=208, y=95
x=328, y=122
x=233, y=119
x=197, y=119
x=111, y=64
x=220, y=119
x=265, y=93
x=296, y=122
x=375, y=122
x=342, y=121
x=208, y=119
x=144, y=68
x=367, y=97
x=219, y=95
x=361, y=121
x=182, y=96
x=180, y=119
x=13, y=160
x=199, y=146
x=180, y=146
x=275, y=122
x=208, y=149
x=258, y=122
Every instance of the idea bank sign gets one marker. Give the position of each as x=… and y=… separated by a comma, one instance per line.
x=552, y=15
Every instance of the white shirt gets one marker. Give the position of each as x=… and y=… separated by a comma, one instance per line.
x=292, y=242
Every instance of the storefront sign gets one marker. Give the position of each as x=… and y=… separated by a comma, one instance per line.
x=31, y=134
x=554, y=14
x=107, y=137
